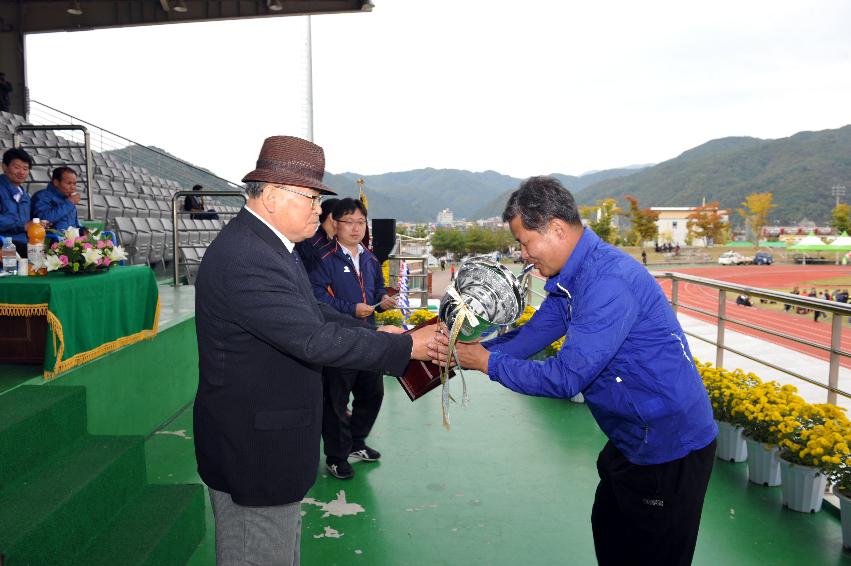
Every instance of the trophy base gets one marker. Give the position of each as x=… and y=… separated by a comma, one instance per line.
x=421, y=377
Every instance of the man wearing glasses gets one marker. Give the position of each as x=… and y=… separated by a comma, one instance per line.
x=348, y=277
x=263, y=339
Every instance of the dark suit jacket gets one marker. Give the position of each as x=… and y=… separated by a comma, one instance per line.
x=262, y=342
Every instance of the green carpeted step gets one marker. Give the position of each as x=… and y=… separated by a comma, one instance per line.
x=35, y=423
x=162, y=526
x=64, y=503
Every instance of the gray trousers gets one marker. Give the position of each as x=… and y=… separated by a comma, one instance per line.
x=255, y=536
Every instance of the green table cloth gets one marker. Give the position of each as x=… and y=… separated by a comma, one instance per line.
x=88, y=315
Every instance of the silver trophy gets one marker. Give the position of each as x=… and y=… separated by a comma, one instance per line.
x=487, y=289
x=484, y=296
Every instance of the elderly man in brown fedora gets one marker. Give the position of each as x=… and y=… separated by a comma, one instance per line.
x=262, y=342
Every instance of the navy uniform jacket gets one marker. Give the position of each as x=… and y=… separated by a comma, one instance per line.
x=51, y=205
x=14, y=214
x=312, y=249
x=337, y=283
x=262, y=341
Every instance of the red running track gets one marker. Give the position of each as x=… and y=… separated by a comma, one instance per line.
x=778, y=277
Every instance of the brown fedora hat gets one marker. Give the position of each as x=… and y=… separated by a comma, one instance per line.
x=288, y=160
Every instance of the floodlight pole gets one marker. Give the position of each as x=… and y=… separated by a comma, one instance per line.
x=309, y=77
x=837, y=191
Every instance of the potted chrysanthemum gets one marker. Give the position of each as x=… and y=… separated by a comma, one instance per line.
x=803, y=452
x=727, y=390
x=763, y=409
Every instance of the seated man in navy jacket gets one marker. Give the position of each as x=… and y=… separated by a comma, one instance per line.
x=348, y=277
x=57, y=203
x=15, y=213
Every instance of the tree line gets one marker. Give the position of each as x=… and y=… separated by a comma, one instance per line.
x=705, y=222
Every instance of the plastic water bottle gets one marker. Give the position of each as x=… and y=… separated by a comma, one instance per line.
x=10, y=257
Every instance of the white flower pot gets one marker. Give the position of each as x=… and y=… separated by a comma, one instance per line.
x=731, y=445
x=802, y=487
x=763, y=463
x=845, y=513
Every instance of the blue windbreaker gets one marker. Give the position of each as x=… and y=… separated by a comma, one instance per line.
x=624, y=351
x=336, y=282
x=13, y=214
x=311, y=250
x=51, y=205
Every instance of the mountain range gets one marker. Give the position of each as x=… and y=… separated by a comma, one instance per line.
x=799, y=170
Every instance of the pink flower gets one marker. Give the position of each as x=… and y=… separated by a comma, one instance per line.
x=109, y=243
x=69, y=243
x=87, y=246
x=101, y=244
x=81, y=239
x=105, y=261
x=54, y=245
x=63, y=259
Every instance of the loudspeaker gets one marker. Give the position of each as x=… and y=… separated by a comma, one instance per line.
x=383, y=237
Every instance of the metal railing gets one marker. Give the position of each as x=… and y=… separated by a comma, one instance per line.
x=86, y=145
x=837, y=311
x=175, y=212
x=155, y=161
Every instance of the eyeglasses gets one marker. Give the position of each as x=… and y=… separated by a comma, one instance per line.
x=354, y=223
x=315, y=200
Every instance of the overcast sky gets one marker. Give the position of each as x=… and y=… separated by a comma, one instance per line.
x=522, y=88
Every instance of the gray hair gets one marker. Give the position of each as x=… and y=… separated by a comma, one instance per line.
x=539, y=200
x=254, y=189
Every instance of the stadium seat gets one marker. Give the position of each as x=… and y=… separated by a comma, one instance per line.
x=127, y=236
x=141, y=208
x=158, y=237
x=114, y=209
x=168, y=253
x=130, y=209
x=143, y=240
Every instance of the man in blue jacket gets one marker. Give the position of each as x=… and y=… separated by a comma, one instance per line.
x=15, y=213
x=626, y=352
x=348, y=277
x=57, y=203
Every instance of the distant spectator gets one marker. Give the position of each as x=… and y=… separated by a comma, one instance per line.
x=195, y=204
x=452, y=271
x=14, y=200
x=443, y=264
x=677, y=250
x=644, y=257
x=795, y=291
x=814, y=295
x=57, y=203
x=5, y=93
x=744, y=300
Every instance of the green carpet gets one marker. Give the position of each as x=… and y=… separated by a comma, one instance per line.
x=68, y=497
x=512, y=483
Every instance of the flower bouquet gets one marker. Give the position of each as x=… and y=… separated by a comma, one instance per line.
x=75, y=254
